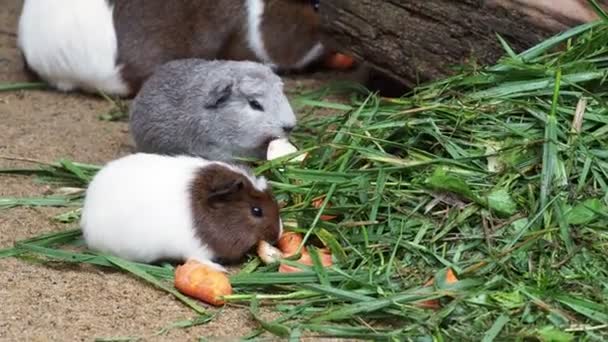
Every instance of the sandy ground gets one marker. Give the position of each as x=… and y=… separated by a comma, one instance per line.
x=67, y=303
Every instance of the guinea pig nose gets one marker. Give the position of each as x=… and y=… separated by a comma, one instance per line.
x=288, y=129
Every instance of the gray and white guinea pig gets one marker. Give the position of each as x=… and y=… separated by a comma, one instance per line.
x=219, y=110
x=113, y=46
x=150, y=208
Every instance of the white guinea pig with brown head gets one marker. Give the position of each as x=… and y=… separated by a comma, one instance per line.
x=113, y=46
x=149, y=208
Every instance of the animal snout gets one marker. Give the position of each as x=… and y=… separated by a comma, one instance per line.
x=288, y=128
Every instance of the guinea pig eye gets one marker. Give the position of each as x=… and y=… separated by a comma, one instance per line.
x=257, y=211
x=256, y=105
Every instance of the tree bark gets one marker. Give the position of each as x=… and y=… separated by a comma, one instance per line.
x=419, y=40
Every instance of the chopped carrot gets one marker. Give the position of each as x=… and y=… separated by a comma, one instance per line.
x=339, y=61
x=324, y=255
x=450, y=277
x=200, y=281
x=289, y=243
x=306, y=259
x=283, y=268
x=429, y=304
x=434, y=304
x=318, y=203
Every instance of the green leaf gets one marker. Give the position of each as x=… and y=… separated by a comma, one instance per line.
x=500, y=323
x=440, y=180
x=584, y=212
x=594, y=311
x=274, y=328
x=22, y=86
x=332, y=243
x=500, y=200
x=551, y=334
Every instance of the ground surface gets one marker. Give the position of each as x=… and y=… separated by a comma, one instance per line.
x=73, y=303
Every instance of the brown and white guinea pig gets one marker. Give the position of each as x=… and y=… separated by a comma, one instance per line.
x=113, y=46
x=149, y=208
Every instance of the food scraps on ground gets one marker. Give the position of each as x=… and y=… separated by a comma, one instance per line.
x=268, y=253
x=282, y=147
x=200, y=281
x=306, y=259
x=339, y=61
x=434, y=304
x=289, y=243
x=317, y=203
x=288, y=246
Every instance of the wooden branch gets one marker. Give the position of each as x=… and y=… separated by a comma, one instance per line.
x=414, y=41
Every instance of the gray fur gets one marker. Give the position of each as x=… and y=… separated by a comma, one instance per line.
x=177, y=110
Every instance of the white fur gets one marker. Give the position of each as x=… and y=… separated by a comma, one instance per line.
x=310, y=56
x=72, y=44
x=255, y=10
x=259, y=183
x=138, y=208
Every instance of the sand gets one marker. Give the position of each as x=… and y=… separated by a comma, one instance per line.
x=75, y=302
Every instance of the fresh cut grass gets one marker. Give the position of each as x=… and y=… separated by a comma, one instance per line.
x=499, y=174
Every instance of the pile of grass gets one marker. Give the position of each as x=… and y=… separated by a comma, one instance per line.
x=498, y=173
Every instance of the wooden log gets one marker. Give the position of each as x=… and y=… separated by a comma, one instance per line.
x=419, y=40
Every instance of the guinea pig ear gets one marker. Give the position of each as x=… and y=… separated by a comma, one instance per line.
x=219, y=94
x=224, y=192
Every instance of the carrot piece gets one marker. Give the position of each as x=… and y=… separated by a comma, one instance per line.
x=339, y=61
x=429, y=304
x=283, y=268
x=327, y=217
x=318, y=203
x=325, y=256
x=450, y=277
x=289, y=243
x=200, y=281
x=434, y=304
x=306, y=259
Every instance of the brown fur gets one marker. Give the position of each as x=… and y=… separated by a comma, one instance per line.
x=221, y=204
x=153, y=32
x=289, y=23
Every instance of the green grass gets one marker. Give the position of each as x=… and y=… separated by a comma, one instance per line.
x=499, y=173
x=22, y=86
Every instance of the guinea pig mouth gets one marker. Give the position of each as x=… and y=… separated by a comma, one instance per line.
x=268, y=140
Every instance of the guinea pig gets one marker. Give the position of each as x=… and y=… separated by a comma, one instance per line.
x=150, y=208
x=113, y=46
x=218, y=110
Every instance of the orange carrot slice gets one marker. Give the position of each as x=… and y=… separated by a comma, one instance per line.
x=318, y=203
x=289, y=243
x=339, y=61
x=450, y=277
x=306, y=259
x=434, y=304
x=429, y=304
x=202, y=282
